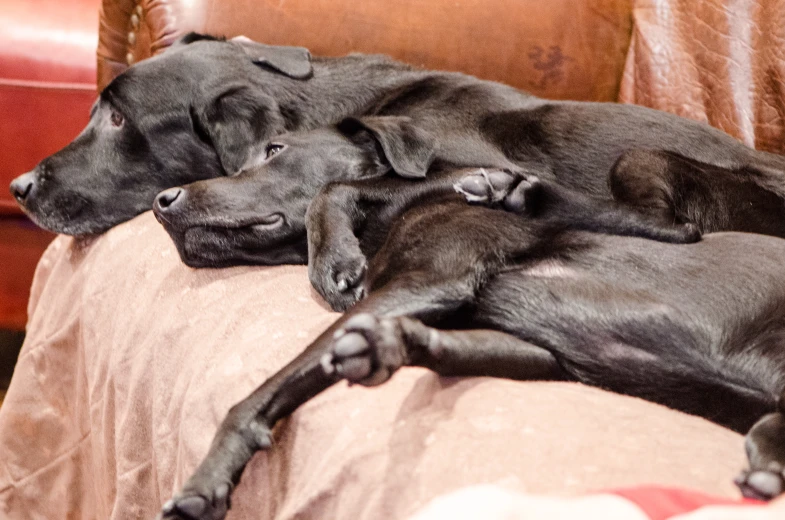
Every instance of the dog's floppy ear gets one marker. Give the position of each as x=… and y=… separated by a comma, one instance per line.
x=191, y=37
x=236, y=121
x=294, y=62
x=406, y=147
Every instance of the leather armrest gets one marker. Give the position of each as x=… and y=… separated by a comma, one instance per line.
x=716, y=61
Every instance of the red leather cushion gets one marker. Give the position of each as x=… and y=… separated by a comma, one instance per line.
x=47, y=81
x=21, y=244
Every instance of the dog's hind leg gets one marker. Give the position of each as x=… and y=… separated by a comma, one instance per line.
x=765, y=444
x=673, y=189
x=641, y=180
x=531, y=196
x=368, y=349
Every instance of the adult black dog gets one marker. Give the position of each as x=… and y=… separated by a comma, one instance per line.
x=534, y=293
x=259, y=215
x=205, y=107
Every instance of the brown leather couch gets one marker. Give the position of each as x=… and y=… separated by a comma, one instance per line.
x=711, y=60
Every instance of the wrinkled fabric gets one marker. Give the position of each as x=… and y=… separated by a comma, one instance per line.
x=132, y=359
x=717, y=61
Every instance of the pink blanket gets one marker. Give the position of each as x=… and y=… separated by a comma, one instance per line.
x=132, y=359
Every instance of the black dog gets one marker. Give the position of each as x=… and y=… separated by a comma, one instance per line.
x=259, y=215
x=532, y=298
x=205, y=108
x=538, y=296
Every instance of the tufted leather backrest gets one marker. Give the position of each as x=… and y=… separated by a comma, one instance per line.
x=719, y=61
x=571, y=49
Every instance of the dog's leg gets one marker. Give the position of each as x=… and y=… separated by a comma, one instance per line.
x=531, y=196
x=336, y=263
x=640, y=180
x=765, y=445
x=248, y=425
x=670, y=188
x=368, y=349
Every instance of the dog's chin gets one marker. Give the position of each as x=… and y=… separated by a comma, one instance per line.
x=258, y=244
x=79, y=225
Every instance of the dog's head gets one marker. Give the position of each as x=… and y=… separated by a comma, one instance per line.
x=194, y=112
x=258, y=215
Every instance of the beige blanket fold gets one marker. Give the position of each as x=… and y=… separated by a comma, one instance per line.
x=132, y=359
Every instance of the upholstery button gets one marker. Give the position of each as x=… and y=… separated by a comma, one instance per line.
x=129, y=58
x=131, y=38
x=139, y=10
x=134, y=21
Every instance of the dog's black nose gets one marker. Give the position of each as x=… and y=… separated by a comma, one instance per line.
x=165, y=200
x=22, y=186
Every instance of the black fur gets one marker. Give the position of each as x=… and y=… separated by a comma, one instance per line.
x=558, y=286
x=205, y=108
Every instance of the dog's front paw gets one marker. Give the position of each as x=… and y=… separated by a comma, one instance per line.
x=367, y=350
x=339, y=276
x=513, y=191
x=761, y=485
x=198, y=504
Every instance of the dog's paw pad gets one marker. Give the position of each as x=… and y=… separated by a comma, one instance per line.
x=337, y=273
x=474, y=188
x=520, y=197
x=761, y=485
x=349, y=276
x=197, y=507
x=340, y=279
x=513, y=190
x=366, y=350
x=193, y=507
x=485, y=186
x=351, y=355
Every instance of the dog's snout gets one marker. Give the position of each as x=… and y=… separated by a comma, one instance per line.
x=22, y=186
x=168, y=199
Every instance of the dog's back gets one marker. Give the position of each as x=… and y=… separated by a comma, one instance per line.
x=699, y=327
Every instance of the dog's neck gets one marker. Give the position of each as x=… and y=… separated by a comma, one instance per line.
x=345, y=86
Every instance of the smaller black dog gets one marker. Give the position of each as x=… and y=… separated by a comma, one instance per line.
x=525, y=294
x=543, y=296
x=424, y=279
